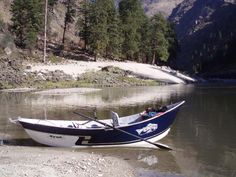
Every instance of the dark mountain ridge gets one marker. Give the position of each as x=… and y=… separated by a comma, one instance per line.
x=206, y=31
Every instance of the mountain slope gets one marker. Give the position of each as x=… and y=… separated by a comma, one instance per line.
x=207, y=33
x=151, y=7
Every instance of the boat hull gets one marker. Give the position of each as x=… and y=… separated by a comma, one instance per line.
x=58, y=140
x=152, y=129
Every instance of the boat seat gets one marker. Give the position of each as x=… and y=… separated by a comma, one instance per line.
x=115, y=117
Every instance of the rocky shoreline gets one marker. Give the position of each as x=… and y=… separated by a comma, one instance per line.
x=11, y=73
x=14, y=74
x=20, y=161
x=19, y=73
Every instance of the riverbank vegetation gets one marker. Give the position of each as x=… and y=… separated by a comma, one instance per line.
x=120, y=32
x=105, y=28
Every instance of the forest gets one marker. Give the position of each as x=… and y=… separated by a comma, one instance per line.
x=109, y=30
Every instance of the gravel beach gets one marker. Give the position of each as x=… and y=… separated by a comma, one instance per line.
x=21, y=161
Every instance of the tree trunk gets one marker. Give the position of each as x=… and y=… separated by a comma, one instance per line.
x=95, y=57
x=64, y=33
x=66, y=22
x=154, y=58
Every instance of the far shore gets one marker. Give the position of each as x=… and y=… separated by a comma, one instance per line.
x=27, y=74
x=75, y=68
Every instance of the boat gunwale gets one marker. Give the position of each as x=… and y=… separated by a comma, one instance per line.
x=178, y=104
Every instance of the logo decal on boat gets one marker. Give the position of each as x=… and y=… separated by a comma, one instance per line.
x=148, y=129
x=55, y=136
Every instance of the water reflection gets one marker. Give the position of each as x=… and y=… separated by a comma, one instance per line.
x=111, y=97
x=202, y=136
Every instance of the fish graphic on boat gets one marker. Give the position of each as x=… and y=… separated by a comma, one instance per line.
x=148, y=129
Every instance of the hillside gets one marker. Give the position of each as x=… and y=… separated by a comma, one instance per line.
x=207, y=33
x=151, y=7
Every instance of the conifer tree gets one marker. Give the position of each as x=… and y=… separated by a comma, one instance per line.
x=19, y=15
x=173, y=47
x=98, y=28
x=83, y=22
x=145, y=47
x=132, y=17
x=159, y=43
x=113, y=48
x=69, y=17
x=98, y=24
x=27, y=20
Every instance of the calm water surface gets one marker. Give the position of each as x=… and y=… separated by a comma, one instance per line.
x=203, y=136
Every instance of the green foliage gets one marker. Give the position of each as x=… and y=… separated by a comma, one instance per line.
x=113, y=48
x=132, y=17
x=173, y=47
x=125, y=32
x=98, y=24
x=27, y=21
x=145, y=47
x=159, y=42
x=82, y=23
x=98, y=28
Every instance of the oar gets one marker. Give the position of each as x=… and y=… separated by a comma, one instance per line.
x=161, y=146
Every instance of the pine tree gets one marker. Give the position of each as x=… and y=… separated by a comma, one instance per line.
x=27, y=21
x=145, y=47
x=69, y=17
x=132, y=17
x=98, y=24
x=83, y=22
x=159, y=42
x=35, y=19
x=19, y=18
x=113, y=48
x=173, y=42
x=98, y=38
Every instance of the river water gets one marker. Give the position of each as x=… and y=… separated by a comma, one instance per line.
x=203, y=135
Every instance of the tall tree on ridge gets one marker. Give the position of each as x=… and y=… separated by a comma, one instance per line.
x=27, y=21
x=83, y=22
x=98, y=24
x=159, y=43
x=132, y=17
x=98, y=28
x=69, y=17
x=113, y=48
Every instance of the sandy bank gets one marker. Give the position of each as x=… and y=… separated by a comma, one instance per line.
x=75, y=68
x=19, y=161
